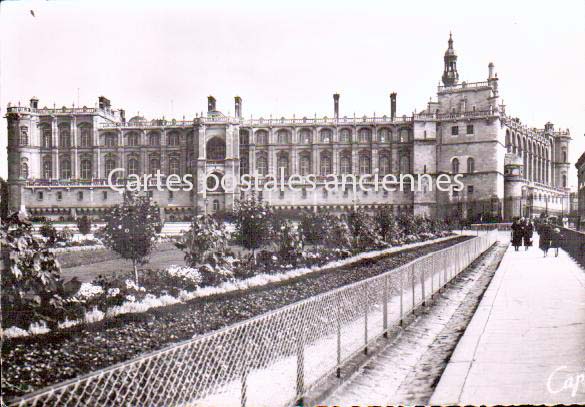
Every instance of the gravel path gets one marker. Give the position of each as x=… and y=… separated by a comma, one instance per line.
x=407, y=370
x=32, y=363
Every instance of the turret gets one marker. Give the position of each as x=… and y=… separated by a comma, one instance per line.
x=450, y=74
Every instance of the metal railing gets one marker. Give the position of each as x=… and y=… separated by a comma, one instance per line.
x=275, y=358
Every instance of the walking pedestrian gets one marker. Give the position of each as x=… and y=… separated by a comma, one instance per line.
x=555, y=240
x=527, y=233
x=544, y=237
x=517, y=232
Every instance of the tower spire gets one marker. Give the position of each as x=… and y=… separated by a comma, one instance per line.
x=450, y=74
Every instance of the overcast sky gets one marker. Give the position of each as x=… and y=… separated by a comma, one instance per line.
x=283, y=58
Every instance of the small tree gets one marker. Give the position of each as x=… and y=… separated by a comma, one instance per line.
x=252, y=222
x=289, y=242
x=363, y=231
x=32, y=289
x=386, y=224
x=4, y=198
x=130, y=229
x=204, y=242
x=84, y=225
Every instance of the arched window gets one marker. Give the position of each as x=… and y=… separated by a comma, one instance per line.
x=305, y=165
x=384, y=165
x=564, y=156
x=345, y=164
x=282, y=137
x=65, y=168
x=133, y=140
x=404, y=136
x=214, y=183
x=153, y=164
x=133, y=166
x=216, y=149
x=111, y=140
x=46, y=137
x=244, y=165
x=24, y=170
x=85, y=138
x=364, y=164
x=174, y=166
x=384, y=135
x=344, y=136
x=404, y=164
x=470, y=165
x=325, y=165
x=326, y=136
x=306, y=136
x=365, y=135
x=508, y=141
x=47, y=168
x=564, y=180
x=154, y=139
x=24, y=136
x=64, y=137
x=85, y=169
x=283, y=165
x=455, y=166
x=244, y=137
x=110, y=165
x=174, y=138
x=262, y=137
x=262, y=165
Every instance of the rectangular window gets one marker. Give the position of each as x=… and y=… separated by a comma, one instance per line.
x=171, y=195
x=304, y=193
x=281, y=194
x=104, y=195
x=470, y=189
x=470, y=129
x=454, y=130
x=40, y=196
x=455, y=193
x=80, y=196
x=59, y=195
x=260, y=195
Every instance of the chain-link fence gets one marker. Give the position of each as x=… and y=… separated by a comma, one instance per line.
x=275, y=358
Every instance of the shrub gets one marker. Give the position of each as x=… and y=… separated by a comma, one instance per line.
x=130, y=229
x=289, y=243
x=204, y=242
x=386, y=224
x=84, y=225
x=252, y=223
x=48, y=231
x=363, y=231
x=65, y=235
x=32, y=288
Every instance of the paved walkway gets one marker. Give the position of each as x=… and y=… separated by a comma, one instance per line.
x=526, y=342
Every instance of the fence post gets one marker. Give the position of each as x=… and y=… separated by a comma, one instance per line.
x=245, y=371
x=413, y=289
x=385, y=307
x=300, y=365
x=366, y=319
x=338, y=345
x=401, y=295
x=422, y=281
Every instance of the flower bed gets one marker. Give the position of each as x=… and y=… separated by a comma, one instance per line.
x=37, y=361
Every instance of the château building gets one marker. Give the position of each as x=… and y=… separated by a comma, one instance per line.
x=59, y=158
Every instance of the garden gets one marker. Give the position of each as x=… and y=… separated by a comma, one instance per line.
x=55, y=329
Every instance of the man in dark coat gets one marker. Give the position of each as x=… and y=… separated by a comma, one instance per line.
x=544, y=237
x=517, y=233
x=527, y=235
x=555, y=240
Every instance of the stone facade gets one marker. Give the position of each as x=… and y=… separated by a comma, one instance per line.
x=580, y=165
x=59, y=158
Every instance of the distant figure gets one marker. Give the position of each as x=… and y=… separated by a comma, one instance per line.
x=517, y=233
x=555, y=240
x=545, y=234
x=528, y=232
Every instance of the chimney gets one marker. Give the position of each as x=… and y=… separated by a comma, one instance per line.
x=336, y=105
x=123, y=116
x=392, y=105
x=103, y=102
x=238, y=107
x=34, y=103
x=491, y=70
x=211, y=104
